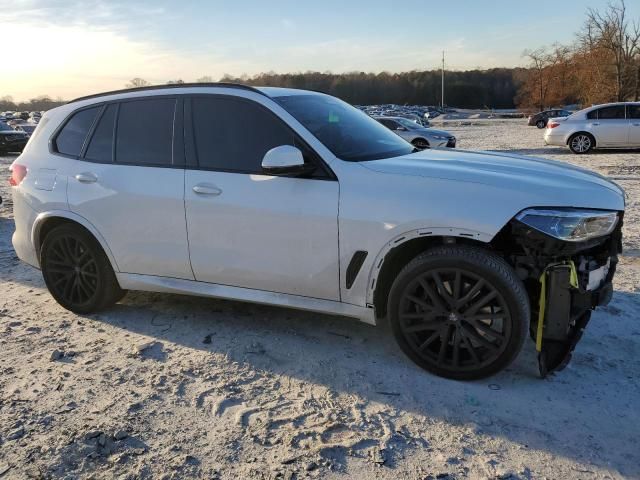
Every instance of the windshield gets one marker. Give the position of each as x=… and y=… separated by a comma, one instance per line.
x=405, y=122
x=347, y=132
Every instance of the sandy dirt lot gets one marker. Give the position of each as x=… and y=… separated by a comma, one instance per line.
x=165, y=386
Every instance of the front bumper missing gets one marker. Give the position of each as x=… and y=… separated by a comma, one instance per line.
x=564, y=312
x=565, y=281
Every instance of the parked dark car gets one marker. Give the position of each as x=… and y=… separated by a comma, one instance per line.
x=540, y=119
x=27, y=128
x=10, y=140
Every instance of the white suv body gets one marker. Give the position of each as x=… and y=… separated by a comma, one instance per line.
x=611, y=125
x=169, y=185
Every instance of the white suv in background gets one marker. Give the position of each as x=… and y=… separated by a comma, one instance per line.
x=613, y=125
x=295, y=198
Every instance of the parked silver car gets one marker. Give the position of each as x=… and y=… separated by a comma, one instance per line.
x=419, y=136
x=613, y=125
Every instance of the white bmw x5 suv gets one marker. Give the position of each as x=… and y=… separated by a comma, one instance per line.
x=297, y=199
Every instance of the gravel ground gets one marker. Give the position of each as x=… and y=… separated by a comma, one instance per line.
x=166, y=386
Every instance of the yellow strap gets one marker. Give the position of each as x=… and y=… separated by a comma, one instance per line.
x=541, y=307
x=573, y=276
x=573, y=281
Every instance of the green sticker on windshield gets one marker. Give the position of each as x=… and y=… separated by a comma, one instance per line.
x=333, y=118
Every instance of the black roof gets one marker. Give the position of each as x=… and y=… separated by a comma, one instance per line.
x=173, y=85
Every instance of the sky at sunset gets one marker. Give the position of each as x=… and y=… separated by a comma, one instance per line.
x=71, y=48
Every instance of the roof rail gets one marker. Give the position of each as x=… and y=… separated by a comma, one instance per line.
x=172, y=85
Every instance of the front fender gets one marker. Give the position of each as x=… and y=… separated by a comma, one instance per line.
x=399, y=240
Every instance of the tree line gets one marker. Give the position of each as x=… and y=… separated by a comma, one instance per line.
x=37, y=104
x=601, y=65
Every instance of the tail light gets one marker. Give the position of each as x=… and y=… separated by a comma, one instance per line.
x=18, y=172
x=553, y=125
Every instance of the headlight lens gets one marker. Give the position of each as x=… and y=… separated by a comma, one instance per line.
x=439, y=137
x=570, y=225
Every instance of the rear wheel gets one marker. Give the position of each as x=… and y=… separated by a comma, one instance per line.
x=459, y=312
x=420, y=143
x=581, y=143
x=77, y=272
x=541, y=124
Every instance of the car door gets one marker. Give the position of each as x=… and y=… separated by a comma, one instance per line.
x=128, y=182
x=611, y=128
x=251, y=230
x=633, y=115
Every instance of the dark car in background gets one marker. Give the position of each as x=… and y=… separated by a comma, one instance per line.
x=11, y=140
x=540, y=119
x=27, y=128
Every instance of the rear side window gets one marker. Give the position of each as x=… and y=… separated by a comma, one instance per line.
x=72, y=136
x=234, y=135
x=145, y=132
x=611, y=113
x=101, y=144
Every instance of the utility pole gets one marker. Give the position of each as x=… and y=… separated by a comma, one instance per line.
x=442, y=94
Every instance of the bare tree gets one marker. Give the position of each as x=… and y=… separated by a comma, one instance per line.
x=205, y=79
x=540, y=60
x=611, y=32
x=137, y=82
x=175, y=82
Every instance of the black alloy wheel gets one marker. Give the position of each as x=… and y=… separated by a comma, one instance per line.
x=77, y=272
x=454, y=316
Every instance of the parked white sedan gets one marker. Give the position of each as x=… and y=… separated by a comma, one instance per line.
x=613, y=125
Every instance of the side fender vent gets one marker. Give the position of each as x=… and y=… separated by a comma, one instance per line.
x=354, y=266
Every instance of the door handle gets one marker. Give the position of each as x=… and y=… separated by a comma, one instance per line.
x=207, y=189
x=595, y=124
x=636, y=124
x=86, y=177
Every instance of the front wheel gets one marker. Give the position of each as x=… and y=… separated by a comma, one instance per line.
x=77, y=272
x=459, y=312
x=581, y=143
x=420, y=143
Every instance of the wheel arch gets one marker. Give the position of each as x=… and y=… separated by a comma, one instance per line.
x=584, y=132
x=420, y=139
x=402, y=249
x=47, y=221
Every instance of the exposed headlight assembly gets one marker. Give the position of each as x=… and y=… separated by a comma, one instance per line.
x=570, y=225
x=439, y=137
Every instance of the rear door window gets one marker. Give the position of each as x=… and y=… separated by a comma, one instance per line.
x=144, y=133
x=70, y=139
x=633, y=111
x=101, y=144
x=611, y=113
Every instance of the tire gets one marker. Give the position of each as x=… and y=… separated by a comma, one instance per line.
x=581, y=143
x=77, y=272
x=541, y=124
x=420, y=143
x=464, y=332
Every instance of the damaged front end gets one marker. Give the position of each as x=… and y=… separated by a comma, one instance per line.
x=566, y=277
